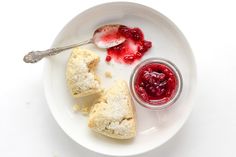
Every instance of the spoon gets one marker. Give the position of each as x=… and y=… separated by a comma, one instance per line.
x=103, y=37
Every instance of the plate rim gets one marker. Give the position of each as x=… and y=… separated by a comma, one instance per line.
x=193, y=85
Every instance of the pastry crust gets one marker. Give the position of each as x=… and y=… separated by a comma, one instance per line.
x=114, y=115
x=80, y=75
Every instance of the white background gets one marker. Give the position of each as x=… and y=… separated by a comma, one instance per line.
x=27, y=128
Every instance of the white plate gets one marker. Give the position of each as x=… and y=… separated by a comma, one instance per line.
x=154, y=127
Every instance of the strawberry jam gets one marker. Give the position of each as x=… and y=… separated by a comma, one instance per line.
x=155, y=83
x=132, y=49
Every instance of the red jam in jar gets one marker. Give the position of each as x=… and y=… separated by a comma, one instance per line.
x=156, y=83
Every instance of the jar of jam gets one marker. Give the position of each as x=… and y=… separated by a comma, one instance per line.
x=156, y=83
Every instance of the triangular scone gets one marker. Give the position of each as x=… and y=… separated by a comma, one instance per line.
x=80, y=75
x=114, y=114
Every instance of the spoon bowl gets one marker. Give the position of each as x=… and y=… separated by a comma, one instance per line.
x=107, y=36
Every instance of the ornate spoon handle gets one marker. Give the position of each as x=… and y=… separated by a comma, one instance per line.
x=35, y=56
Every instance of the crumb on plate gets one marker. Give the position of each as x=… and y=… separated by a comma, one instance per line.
x=83, y=108
x=108, y=74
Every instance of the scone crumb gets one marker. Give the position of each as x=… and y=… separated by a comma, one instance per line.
x=83, y=108
x=76, y=107
x=108, y=74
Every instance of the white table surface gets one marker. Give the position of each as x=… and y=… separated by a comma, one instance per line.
x=27, y=128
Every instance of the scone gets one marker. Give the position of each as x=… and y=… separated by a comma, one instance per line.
x=80, y=75
x=114, y=114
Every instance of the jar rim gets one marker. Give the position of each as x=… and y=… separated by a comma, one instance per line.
x=178, y=76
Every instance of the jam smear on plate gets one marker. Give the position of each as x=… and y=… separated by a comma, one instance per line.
x=132, y=49
x=155, y=83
